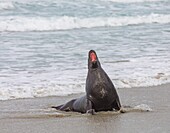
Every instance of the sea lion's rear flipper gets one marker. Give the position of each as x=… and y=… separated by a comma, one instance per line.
x=66, y=107
x=116, y=104
x=57, y=107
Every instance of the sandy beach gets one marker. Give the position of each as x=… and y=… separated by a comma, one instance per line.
x=35, y=115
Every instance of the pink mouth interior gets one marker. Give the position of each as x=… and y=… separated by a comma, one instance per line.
x=93, y=57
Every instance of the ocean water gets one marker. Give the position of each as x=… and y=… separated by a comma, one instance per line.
x=44, y=44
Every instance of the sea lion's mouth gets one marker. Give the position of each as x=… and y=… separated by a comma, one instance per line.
x=93, y=59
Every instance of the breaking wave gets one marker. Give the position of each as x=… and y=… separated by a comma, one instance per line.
x=66, y=23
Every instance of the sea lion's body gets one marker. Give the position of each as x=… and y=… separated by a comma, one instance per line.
x=100, y=95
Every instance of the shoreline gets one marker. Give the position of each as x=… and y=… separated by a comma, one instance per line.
x=34, y=115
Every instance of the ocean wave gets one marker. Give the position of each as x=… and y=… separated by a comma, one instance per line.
x=8, y=5
x=133, y=1
x=67, y=23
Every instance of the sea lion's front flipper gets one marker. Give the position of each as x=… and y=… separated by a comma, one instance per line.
x=89, y=108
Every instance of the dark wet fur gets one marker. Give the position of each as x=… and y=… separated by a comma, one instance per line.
x=100, y=95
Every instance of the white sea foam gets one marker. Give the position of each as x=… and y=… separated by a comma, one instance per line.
x=137, y=108
x=32, y=92
x=6, y=5
x=143, y=107
x=66, y=88
x=65, y=22
x=146, y=72
x=142, y=81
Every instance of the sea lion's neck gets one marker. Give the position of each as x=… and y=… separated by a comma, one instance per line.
x=96, y=74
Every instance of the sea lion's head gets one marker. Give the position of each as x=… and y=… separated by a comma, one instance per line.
x=93, y=62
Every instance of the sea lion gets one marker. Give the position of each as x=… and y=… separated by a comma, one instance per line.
x=100, y=95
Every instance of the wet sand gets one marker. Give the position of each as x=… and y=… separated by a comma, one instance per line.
x=35, y=115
